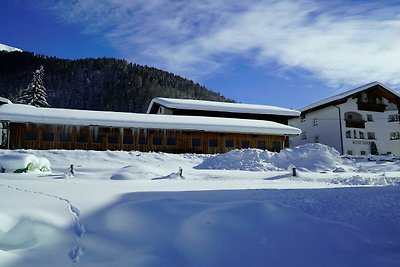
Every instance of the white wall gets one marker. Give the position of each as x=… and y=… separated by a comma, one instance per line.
x=327, y=128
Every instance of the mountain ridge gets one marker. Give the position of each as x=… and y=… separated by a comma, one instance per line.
x=96, y=83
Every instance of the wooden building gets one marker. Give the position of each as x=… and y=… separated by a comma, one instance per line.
x=192, y=107
x=28, y=127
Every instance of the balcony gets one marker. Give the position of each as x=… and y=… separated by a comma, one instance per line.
x=371, y=106
x=354, y=123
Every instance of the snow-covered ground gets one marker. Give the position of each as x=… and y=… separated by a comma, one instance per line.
x=242, y=208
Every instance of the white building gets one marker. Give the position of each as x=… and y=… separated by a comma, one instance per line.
x=353, y=122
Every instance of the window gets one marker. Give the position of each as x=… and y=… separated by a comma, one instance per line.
x=157, y=141
x=142, y=140
x=65, y=137
x=171, y=141
x=48, y=136
x=316, y=139
x=112, y=139
x=315, y=122
x=261, y=144
x=30, y=136
x=354, y=134
x=394, y=135
x=196, y=142
x=348, y=134
x=245, y=143
x=128, y=140
x=304, y=135
x=362, y=152
x=394, y=117
x=213, y=143
x=81, y=138
x=349, y=152
x=369, y=117
x=371, y=135
x=303, y=117
x=361, y=135
x=229, y=143
x=276, y=146
x=97, y=139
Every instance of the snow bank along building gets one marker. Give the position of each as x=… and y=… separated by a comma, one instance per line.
x=29, y=127
x=353, y=122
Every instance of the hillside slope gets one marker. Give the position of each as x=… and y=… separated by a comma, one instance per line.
x=96, y=84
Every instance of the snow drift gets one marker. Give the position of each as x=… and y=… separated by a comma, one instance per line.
x=309, y=157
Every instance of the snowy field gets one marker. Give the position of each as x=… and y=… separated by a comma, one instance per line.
x=242, y=208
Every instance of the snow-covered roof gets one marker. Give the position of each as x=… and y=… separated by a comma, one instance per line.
x=7, y=48
x=30, y=114
x=346, y=95
x=191, y=104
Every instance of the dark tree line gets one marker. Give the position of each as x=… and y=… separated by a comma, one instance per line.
x=97, y=84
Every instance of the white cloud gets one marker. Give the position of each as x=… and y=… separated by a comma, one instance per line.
x=339, y=43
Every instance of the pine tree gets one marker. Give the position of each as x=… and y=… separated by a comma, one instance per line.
x=35, y=93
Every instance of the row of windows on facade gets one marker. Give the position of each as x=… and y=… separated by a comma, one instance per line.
x=391, y=118
x=142, y=140
x=370, y=135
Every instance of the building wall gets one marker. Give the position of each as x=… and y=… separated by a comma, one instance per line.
x=321, y=126
x=41, y=136
x=377, y=130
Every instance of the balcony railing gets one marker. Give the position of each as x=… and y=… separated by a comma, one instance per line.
x=371, y=106
x=352, y=123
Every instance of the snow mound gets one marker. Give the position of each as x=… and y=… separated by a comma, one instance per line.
x=24, y=233
x=309, y=157
x=23, y=162
x=234, y=233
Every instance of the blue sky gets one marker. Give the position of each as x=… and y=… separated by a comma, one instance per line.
x=280, y=52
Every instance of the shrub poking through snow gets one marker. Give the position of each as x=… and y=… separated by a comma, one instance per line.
x=22, y=163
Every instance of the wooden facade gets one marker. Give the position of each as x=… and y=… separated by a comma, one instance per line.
x=46, y=136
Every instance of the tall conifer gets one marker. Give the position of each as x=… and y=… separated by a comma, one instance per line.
x=35, y=94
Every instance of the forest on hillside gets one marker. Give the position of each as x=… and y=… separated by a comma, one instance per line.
x=96, y=84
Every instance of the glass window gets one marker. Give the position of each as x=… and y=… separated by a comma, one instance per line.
x=142, y=140
x=229, y=143
x=245, y=143
x=363, y=152
x=113, y=139
x=394, y=135
x=213, y=143
x=371, y=135
x=354, y=133
x=361, y=135
x=349, y=152
x=303, y=117
x=369, y=117
x=261, y=144
x=348, y=134
x=97, y=139
x=30, y=136
x=304, y=135
x=196, y=142
x=65, y=137
x=81, y=138
x=276, y=146
x=157, y=141
x=394, y=117
x=171, y=141
x=48, y=136
x=128, y=140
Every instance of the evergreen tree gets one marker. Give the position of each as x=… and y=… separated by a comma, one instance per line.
x=35, y=93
